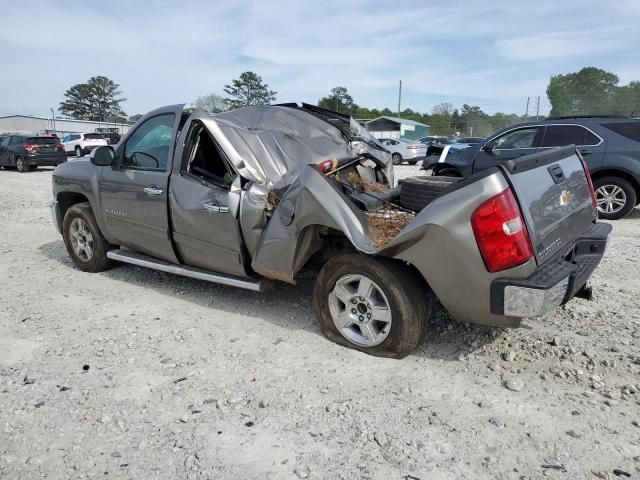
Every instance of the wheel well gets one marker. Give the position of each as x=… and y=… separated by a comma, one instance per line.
x=620, y=174
x=328, y=243
x=68, y=199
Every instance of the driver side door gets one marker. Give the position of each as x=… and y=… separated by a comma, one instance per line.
x=204, y=198
x=133, y=191
x=509, y=145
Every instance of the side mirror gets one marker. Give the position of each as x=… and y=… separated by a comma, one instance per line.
x=103, y=156
x=487, y=147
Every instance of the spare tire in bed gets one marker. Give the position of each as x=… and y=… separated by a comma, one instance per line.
x=418, y=192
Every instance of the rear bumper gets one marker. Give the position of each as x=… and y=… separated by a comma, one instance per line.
x=46, y=160
x=89, y=148
x=554, y=283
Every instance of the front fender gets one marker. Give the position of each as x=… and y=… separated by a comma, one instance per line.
x=290, y=237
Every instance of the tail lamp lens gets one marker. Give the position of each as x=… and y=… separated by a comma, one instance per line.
x=587, y=174
x=501, y=233
x=325, y=166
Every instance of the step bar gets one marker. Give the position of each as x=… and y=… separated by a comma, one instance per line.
x=134, y=258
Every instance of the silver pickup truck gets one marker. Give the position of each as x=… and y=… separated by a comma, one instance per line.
x=255, y=196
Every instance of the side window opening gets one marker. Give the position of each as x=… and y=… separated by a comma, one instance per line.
x=206, y=160
x=148, y=146
x=522, y=138
x=561, y=135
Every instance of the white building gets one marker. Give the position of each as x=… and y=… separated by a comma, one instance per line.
x=60, y=126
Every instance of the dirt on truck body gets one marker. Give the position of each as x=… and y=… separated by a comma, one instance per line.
x=254, y=196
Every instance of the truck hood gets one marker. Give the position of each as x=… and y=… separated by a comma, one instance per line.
x=272, y=144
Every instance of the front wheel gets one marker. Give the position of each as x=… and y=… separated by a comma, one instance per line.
x=615, y=197
x=85, y=244
x=376, y=305
x=78, y=152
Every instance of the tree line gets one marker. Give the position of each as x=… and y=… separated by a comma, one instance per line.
x=590, y=91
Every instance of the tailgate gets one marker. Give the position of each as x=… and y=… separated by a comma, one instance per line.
x=555, y=199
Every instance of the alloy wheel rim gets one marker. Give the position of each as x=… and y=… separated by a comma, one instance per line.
x=20, y=164
x=610, y=198
x=81, y=239
x=360, y=310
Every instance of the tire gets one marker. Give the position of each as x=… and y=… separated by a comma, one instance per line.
x=418, y=192
x=78, y=152
x=21, y=165
x=79, y=219
x=396, y=158
x=615, y=197
x=408, y=301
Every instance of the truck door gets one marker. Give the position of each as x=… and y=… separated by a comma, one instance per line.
x=508, y=145
x=133, y=192
x=204, y=199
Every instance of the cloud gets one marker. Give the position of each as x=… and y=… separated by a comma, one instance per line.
x=162, y=53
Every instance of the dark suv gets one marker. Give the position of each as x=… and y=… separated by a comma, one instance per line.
x=26, y=152
x=609, y=145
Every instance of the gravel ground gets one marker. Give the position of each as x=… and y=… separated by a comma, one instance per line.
x=138, y=374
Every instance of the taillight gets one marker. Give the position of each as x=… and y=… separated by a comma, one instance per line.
x=325, y=166
x=30, y=147
x=587, y=174
x=60, y=146
x=501, y=233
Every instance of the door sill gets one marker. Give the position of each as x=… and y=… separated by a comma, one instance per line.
x=135, y=258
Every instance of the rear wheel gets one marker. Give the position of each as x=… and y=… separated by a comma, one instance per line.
x=396, y=158
x=85, y=244
x=378, y=306
x=21, y=165
x=615, y=197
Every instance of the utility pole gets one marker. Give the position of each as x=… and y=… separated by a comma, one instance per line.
x=537, y=107
x=53, y=117
x=526, y=112
x=399, y=97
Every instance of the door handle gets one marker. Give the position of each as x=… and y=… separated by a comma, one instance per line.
x=211, y=208
x=155, y=191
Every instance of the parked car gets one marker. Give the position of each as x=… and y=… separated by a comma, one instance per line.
x=244, y=198
x=403, y=150
x=82, y=143
x=434, y=140
x=28, y=152
x=111, y=137
x=450, y=146
x=609, y=145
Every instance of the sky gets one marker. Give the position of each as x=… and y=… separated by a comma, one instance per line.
x=493, y=54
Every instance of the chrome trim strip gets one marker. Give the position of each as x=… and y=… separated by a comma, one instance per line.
x=53, y=205
x=543, y=125
x=140, y=260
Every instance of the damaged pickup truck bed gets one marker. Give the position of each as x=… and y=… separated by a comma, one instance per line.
x=255, y=196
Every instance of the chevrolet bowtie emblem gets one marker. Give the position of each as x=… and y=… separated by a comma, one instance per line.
x=566, y=197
